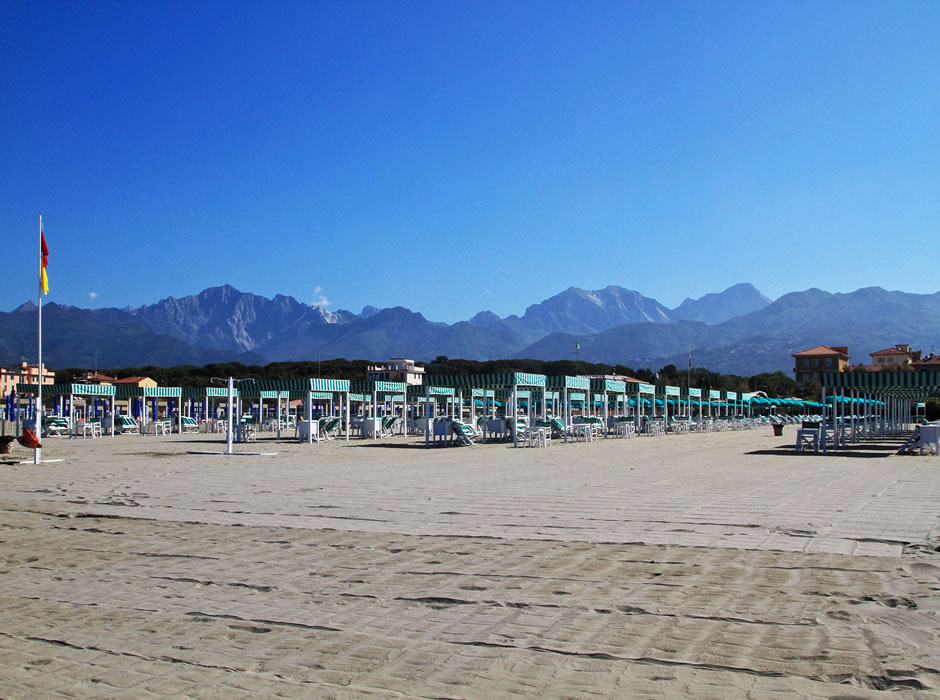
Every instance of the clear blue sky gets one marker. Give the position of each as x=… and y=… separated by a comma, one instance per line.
x=458, y=156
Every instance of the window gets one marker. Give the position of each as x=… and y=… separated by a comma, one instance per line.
x=804, y=362
x=815, y=363
x=828, y=363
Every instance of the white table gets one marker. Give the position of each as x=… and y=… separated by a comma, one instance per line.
x=371, y=427
x=305, y=428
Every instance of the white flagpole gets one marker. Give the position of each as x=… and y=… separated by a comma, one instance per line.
x=37, y=454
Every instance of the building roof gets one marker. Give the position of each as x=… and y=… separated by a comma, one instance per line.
x=890, y=351
x=130, y=380
x=821, y=350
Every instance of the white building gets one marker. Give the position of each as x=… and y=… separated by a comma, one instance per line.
x=397, y=369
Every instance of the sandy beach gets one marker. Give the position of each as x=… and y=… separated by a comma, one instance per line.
x=719, y=565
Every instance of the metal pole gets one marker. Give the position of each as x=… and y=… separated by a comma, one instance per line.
x=231, y=407
x=37, y=453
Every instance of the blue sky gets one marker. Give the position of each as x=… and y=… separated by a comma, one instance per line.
x=454, y=157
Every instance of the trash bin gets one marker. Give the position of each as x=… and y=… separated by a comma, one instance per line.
x=778, y=429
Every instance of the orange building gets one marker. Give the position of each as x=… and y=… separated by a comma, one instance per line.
x=898, y=357
x=810, y=364
x=24, y=374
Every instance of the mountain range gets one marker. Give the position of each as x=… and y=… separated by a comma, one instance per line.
x=738, y=330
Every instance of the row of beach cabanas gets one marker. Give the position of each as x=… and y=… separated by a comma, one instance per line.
x=367, y=406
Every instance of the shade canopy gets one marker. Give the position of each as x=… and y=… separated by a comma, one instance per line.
x=915, y=386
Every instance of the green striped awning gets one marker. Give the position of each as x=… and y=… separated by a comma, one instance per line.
x=420, y=390
x=912, y=385
x=367, y=387
x=201, y=392
x=731, y=395
x=162, y=392
x=714, y=394
x=564, y=382
x=694, y=392
x=149, y=392
x=504, y=380
x=266, y=394
x=609, y=386
x=334, y=385
x=640, y=388
x=66, y=389
x=671, y=390
x=298, y=388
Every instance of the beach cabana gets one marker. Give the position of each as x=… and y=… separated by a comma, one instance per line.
x=201, y=402
x=153, y=395
x=70, y=392
x=887, y=402
x=279, y=397
x=671, y=395
x=643, y=395
x=378, y=394
x=509, y=382
x=334, y=392
x=423, y=399
x=694, y=396
x=610, y=391
x=569, y=389
x=714, y=401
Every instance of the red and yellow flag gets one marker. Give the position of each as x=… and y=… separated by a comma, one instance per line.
x=45, y=261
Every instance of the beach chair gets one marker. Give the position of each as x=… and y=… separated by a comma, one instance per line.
x=54, y=426
x=332, y=428
x=559, y=430
x=188, y=424
x=126, y=425
x=463, y=432
x=923, y=437
x=807, y=439
x=388, y=426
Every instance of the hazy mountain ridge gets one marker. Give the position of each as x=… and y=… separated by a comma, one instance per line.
x=584, y=312
x=866, y=320
x=223, y=323
x=713, y=308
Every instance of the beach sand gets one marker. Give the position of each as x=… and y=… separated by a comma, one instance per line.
x=707, y=566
